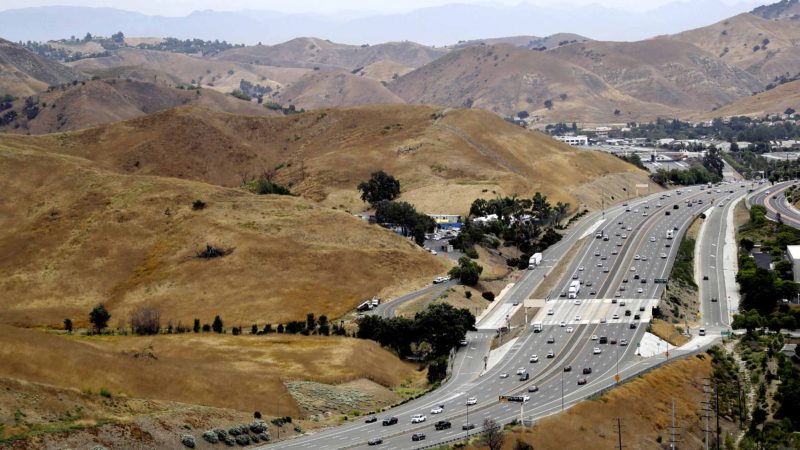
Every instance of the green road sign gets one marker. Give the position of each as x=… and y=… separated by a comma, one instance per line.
x=660, y=280
x=725, y=333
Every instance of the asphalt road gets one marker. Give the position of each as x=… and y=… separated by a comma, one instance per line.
x=774, y=200
x=572, y=344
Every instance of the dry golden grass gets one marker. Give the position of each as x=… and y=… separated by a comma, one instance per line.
x=74, y=236
x=644, y=405
x=335, y=88
x=243, y=372
x=668, y=332
x=774, y=101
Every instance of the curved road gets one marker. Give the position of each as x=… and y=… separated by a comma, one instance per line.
x=774, y=200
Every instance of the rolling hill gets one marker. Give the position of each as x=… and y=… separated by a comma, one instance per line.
x=444, y=159
x=336, y=88
x=76, y=235
x=765, y=48
x=98, y=102
x=773, y=101
x=23, y=73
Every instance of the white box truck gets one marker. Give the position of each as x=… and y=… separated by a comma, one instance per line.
x=670, y=234
x=574, y=288
x=537, y=327
x=535, y=260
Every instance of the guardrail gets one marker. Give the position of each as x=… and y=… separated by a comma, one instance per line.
x=456, y=439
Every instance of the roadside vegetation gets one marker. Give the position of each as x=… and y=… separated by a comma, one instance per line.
x=380, y=191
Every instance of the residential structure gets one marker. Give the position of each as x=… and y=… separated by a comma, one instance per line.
x=794, y=255
x=574, y=140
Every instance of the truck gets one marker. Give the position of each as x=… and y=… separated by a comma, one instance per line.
x=574, y=288
x=375, y=302
x=535, y=260
x=670, y=234
x=537, y=327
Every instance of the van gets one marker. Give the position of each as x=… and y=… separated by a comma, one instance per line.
x=702, y=332
x=603, y=339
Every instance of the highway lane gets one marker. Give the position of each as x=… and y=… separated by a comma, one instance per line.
x=772, y=198
x=575, y=348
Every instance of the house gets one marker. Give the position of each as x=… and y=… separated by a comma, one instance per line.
x=789, y=350
x=485, y=219
x=794, y=256
x=573, y=140
x=764, y=260
x=446, y=221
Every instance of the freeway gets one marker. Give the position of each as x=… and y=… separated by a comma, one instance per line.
x=775, y=201
x=612, y=304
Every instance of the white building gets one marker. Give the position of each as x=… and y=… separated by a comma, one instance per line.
x=794, y=254
x=573, y=140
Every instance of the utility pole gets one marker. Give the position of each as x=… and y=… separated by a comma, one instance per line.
x=619, y=433
x=707, y=411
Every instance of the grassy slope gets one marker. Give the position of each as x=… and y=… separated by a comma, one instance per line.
x=774, y=101
x=74, y=235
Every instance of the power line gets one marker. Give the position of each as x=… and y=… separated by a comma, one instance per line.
x=619, y=432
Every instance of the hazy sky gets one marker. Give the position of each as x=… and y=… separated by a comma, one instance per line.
x=183, y=7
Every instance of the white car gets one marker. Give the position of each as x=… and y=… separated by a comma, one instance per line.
x=472, y=401
x=644, y=258
x=637, y=257
x=534, y=358
x=577, y=301
x=504, y=375
x=629, y=228
x=597, y=351
x=640, y=290
x=562, y=324
x=418, y=418
x=433, y=252
x=602, y=320
x=569, y=330
x=580, y=269
x=615, y=316
x=577, y=317
x=594, y=337
x=437, y=410
x=633, y=269
x=551, y=312
x=521, y=370
x=652, y=238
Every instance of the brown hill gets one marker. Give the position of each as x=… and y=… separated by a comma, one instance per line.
x=662, y=72
x=312, y=52
x=98, y=102
x=176, y=69
x=334, y=88
x=784, y=9
x=544, y=43
x=23, y=73
x=764, y=48
x=75, y=235
x=773, y=101
x=444, y=160
x=507, y=79
x=383, y=70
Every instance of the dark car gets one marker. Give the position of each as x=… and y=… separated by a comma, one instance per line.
x=666, y=213
x=442, y=425
x=675, y=207
x=418, y=437
x=581, y=381
x=371, y=419
x=603, y=339
x=644, y=280
x=375, y=441
x=567, y=368
x=667, y=245
x=613, y=341
x=641, y=308
x=628, y=312
x=713, y=299
x=636, y=277
x=705, y=277
x=587, y=370
x=468, y=426
x=389, y=421
x=635, y=317
x=633, y=326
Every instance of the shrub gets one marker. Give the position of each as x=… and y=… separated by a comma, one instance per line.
x=188, y=440
x=105, y=393
x=488, y=295
x=146, y=320
x=217, y=326
x=237, y=430
x=258, y=426
x=211, y=437
x=99, y=317
x=472, y=253
x=211, y=252
x=265, y=437
x=468, y=294
x=197, y=205
x=229, y=440
x=243, y=439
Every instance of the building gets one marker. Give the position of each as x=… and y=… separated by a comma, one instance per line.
x=573, y=140
x=445, y=221
x=794, y=255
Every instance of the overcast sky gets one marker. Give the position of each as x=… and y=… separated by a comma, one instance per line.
x=184, y=7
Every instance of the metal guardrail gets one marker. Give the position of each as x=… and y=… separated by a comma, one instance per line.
x=456, y=439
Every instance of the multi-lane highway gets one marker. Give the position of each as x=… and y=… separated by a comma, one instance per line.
x=774, y=199
x=593, y=335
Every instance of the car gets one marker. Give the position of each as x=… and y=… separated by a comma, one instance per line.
x=577, y=317
x=389, y=421
x=597, y=351
x=551, y=340
x=418, y=418
x=599, y=264
x=592, y=292
x=562, y=324
x=652, y=238
x=713, y=299
x=438, y=280
x=521, y=370
x=375, y=441
x=524, y=376
x=632, y=326
x=666, y=213
x=533, y=388
x=622, y=288
x=629, y=228
x=637, y=257
x=504, y=375
x=534, y=358
x=472, y=400
x=587, y=370
x=641, y=308
x=437, y=409
x=563, y=294
x=644, y=258
x=636, y=277
x=614, y=252
x=516, y=303
x=442, y=425
x=617, y=233
x=619, y=244
x=594, y=337
x=612, y=341
x=418, y=437
x=602, y=320
x=581, y=381
x=663, y=256
x=567, y=368
x=624, y=236
x=603, y=258
x=588, y=284
x=639, y=291
x=636, y=317
x=603, y=340
x=551, y=354
x=618, y=294
x=627, y=313
x=463, y=342
x=622, y=303
x=624, y=280
x=674, y=228
x=633, y=269
x=644, y=214
x=551, y=312
x=667, y=245
x=577, y=301
x=623, y=342
x=569, y=330
x=371, y=419
x=596, y=253
x=705, y=277
x=433, y=252
x=580, y=269
x=574, y=276
x=468, y=426
x=605, y=269
x=675, y=207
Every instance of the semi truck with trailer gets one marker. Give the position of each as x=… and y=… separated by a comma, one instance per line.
x=574, y=288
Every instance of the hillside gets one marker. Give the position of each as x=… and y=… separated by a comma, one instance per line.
x=774, y=101
x=98, y=102
x=784, y=9
x=23, y=73
x=84, y=235
x=662, y=72
x=444, y=160
x=336, y=88
x=309, y=52
x=764, y=48
x=383, y=70
x=531, y=42
x=175, y=69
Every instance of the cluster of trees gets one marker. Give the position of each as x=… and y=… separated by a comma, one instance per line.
x=254, y=90
x=190, y=46
x=740, y=128
x=695, y=174
x=429, y=335
x=467, y=271
x=263, y=185
x=380, y=191
x=634, y=159
x=749, y=163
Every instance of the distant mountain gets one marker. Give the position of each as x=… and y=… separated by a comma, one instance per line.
x=439, y=25
x=784, y=9
x=765, y=48
x=23, y=73
x=533, y=42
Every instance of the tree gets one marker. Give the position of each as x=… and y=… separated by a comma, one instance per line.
x=492, y=434
x=145, y=320
x=217, y=325
x=99, y=317
x=280, y=328
x=324, y=325
x=254, y=329
x=380, y=186
x=437, y=369
x=713, y=162
x=548, y=104
x=311, y=323
x=118, y=37
x=468, y=271
x=522, y=445
x=68, y=325
x=789, y=111
x=196, y=327
x=88, y=37
x=442, y=326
